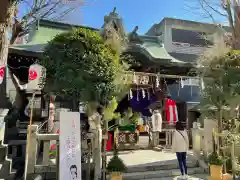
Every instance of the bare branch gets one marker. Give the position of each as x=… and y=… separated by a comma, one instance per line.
x=210, y=15
x=214, y=9
x=39, y=9
x=211, y=9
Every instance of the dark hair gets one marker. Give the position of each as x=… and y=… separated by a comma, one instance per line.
x=100, y=109
x=179, y=126
x=73, y=167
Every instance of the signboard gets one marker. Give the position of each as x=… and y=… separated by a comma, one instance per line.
x=138, y=79
x=70, y=146
x=36, y=77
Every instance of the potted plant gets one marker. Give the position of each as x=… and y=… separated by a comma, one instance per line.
x=216, y=166
x=116, y=167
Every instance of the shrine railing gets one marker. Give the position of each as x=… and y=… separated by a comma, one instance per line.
x=40, y=163
x=168, y=137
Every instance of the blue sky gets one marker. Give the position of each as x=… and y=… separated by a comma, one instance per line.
x=142, y=13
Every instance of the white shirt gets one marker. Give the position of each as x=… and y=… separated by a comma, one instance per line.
x=156, y=122
x=180, y=143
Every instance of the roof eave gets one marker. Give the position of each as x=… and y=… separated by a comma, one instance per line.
x=25, y=52
x=60, y=25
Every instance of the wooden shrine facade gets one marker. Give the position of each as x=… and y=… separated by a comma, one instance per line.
x=158, y=83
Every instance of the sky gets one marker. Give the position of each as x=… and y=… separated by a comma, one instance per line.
x=141, y=13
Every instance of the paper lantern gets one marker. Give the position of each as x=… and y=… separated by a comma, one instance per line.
x=36, y=77
x=2, y=73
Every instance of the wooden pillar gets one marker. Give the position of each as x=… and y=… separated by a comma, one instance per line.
x=31, y=153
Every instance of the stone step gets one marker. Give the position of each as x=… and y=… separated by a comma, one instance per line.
x=6, y=169
x=160, y=166
x=191, y=177
x=159, y=174
x=3, y=152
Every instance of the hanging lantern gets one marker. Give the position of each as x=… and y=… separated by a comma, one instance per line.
x=182, y=83
x=2, y=73
x=36, y=77
x=143, y=93
x=202, y=84
x=134, y=78
x=157, y=81
x=148, y=93
x=137, y=95
x=130, y=94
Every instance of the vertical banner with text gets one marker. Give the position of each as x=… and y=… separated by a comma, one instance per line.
x=70, y=146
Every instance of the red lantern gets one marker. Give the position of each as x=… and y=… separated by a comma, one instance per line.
x=2, y=72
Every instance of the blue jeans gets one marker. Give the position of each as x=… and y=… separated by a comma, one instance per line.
x=182, y=160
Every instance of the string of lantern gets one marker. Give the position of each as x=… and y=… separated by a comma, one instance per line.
x=142, y=82
x=141, y=78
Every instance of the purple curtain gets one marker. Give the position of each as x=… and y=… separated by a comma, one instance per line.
x=140, y=104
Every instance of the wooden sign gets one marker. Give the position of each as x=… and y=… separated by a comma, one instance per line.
x=136, y=79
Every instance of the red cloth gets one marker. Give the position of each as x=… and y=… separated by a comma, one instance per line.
x=171, y=113
x=109, y=142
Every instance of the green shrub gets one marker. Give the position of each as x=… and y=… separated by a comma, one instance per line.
x=214, y=159
x=116, y=164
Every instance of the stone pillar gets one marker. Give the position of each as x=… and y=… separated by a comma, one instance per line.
x=97, y=154
x=209, y=125
x=196, y=141
x=95, y=127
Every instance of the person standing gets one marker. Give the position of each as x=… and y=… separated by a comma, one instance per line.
x=180, y=145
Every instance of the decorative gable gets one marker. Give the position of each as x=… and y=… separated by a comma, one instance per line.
x=113, y=31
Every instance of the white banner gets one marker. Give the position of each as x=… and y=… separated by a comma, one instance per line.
x=70, y=146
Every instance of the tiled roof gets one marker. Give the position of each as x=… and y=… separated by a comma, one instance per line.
x=152, y=47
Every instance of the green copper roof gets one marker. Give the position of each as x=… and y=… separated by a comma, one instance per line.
x=47, y=30
x=41, y=34
x=150, y=46
x=45, y=34
x=154, y=49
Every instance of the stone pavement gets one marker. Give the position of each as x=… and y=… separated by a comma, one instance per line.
x=150, y=157
x=152, y=165
x=194, y=177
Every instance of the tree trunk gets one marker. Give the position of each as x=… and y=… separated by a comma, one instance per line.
x=5, y=24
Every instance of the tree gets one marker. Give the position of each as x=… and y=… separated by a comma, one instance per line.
x=12, y=22
x=220, y=11
x=19, y=25
x=32, y=10
x=219, y=70
x=80, y=66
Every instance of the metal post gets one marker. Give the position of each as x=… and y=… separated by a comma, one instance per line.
x=57, y=161
x=104, y=157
